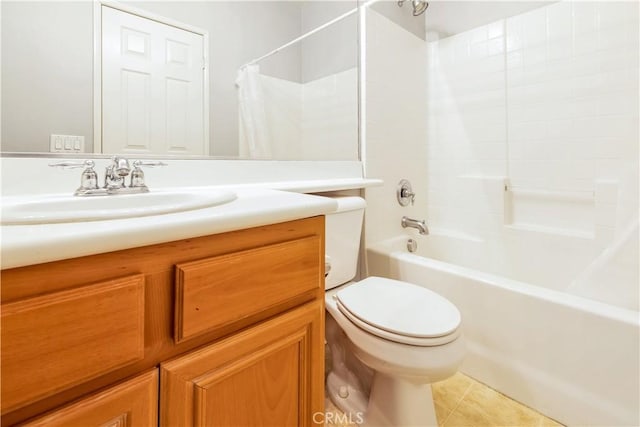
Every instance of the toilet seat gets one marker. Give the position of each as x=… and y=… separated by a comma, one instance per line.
x=400, y=312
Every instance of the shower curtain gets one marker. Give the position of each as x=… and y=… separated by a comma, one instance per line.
x=254, y=139
x=287, y=120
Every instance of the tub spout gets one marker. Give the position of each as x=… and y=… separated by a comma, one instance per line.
x=420, y=225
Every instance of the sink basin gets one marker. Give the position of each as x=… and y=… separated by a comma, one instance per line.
x=60, y=209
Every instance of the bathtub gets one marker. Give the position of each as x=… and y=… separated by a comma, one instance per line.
x=573, y=359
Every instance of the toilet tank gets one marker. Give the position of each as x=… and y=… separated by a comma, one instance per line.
x=342, y=240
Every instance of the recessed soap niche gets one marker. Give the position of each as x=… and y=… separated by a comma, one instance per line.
x=584, y=214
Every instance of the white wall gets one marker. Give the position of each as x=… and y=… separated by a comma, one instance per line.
x=47, y=73
x=333, y=49
x=396, y=108
x=403, y=16
x=454, y=17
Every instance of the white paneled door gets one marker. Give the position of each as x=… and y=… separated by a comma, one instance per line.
x=152, y=87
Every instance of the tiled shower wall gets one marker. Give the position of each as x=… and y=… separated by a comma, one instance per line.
x=533, y=124
x=395, y=123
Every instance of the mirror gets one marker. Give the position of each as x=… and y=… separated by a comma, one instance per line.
x=300, y=103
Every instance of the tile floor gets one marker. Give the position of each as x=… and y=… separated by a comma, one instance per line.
x=461, y=401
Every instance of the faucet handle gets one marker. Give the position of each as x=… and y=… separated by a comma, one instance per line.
x=137, y=175
x=88, y=179
x=88, y=164
x=138, y=163
x=404, y=193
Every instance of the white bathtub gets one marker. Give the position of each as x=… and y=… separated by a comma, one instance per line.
x=571, y=358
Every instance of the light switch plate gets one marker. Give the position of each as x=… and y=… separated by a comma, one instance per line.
x=66, y=144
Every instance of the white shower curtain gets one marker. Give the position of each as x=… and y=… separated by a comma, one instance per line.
x=254, y=139
x=287, y=120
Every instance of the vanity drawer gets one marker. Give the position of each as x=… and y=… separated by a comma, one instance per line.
x=217, y=291
x=58, y=340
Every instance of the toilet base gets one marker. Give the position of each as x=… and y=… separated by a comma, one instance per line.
x=399, y=402
x=393, y=402
x=349, y=399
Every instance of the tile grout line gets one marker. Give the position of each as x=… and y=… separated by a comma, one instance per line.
x=459, y=402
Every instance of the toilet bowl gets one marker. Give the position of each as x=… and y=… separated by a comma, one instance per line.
x=389, y=340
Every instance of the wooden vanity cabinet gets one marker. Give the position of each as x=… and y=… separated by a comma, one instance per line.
x=228, y=329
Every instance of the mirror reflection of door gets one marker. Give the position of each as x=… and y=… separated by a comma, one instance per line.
x=152, y=87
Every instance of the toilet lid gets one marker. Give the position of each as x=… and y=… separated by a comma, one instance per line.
x=398, y=308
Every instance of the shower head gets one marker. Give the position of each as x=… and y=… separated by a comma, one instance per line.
x=419, y=6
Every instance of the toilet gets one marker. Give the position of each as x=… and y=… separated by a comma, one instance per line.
x=387, y=340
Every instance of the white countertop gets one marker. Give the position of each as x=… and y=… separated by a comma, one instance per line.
x=323, y=185
x=34, y=244
x=297, y=186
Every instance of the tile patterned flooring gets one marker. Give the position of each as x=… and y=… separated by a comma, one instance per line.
x=461, y=401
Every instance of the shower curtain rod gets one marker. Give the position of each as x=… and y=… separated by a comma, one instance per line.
x=310, y=33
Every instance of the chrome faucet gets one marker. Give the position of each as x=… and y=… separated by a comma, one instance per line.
x=420, y=225
x=114, y=178
x=116, y=172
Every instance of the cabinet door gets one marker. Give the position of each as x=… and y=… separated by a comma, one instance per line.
x=269, y=375
x=133, y=403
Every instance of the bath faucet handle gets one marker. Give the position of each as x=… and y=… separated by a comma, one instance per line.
x=404, y=193
x=408, y=193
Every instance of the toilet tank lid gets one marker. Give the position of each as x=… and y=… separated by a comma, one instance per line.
x=349, y=203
